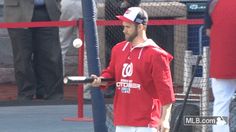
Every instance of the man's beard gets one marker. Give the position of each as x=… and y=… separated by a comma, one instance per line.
x=132, y=36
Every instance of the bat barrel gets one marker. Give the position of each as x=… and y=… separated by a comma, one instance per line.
x=82, y=79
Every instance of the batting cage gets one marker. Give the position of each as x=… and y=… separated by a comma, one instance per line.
x=177, y=31
x=177, y=27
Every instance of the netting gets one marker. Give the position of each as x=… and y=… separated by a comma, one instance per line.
x=175, y=38
x=175, y=26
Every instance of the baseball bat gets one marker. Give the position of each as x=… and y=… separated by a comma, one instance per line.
x=179, y=117
x=83, y=79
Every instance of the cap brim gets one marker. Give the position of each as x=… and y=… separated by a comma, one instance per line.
x=122, y=18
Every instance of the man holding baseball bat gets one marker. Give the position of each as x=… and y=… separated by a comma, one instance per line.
x=141, y=69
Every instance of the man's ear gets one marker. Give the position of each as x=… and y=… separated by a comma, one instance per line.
x=140, y=27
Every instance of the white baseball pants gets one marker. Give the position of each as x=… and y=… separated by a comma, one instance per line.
x=223, y=91
x=135, y=129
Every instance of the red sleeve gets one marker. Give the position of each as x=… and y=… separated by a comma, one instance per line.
x=162, y=78
x=109, y=72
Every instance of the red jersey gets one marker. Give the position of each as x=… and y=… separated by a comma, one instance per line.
x=223, y=40
x=143, y=83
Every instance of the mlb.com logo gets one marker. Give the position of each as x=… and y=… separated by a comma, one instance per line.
x=205, y=120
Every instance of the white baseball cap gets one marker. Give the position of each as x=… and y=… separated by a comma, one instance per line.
x=134, y=15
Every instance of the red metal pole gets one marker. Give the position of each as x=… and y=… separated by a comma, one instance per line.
x=80, y=69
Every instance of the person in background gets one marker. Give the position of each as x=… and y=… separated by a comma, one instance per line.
x=70, y=10
x=141, y=69
x=222, y=32
x=207, y=19
x=36, y=51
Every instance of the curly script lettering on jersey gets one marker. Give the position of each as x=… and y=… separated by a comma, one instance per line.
x=127, y=70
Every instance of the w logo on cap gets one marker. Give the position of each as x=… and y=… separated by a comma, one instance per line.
x=127, y=11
